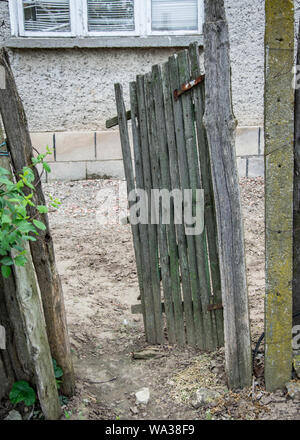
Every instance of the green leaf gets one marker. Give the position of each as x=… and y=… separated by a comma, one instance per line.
x=7, y=261
x=20, y=260
x=29, y=238
x=39, y=225
x=3, y=171
x=22, y=392
x=5, y=219
x=57, y=370
x=46, y=167
x=42, y=209
x=6, y=271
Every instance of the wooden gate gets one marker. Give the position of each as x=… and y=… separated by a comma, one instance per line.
x=179, y=275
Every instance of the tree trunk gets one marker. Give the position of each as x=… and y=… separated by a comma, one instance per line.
x=220, y=124
x=19, y=145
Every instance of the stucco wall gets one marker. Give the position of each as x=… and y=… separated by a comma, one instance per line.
x=72, y=89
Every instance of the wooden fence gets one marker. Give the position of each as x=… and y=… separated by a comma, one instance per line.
x=179, y=274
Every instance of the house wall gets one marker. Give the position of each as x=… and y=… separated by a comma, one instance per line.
x=71, y=90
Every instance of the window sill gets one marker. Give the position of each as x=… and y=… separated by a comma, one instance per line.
x=102, y=42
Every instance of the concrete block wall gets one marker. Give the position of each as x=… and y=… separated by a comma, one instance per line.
x=98, y=154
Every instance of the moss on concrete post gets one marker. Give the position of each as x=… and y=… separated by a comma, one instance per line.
x=279, y=167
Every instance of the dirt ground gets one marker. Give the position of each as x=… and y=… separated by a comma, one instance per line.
x=97, y=267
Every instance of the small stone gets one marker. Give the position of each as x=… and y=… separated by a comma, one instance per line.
x=134, y=410
x=293, y=389
x=204, y=396
x=142, y=396
x=13, y=415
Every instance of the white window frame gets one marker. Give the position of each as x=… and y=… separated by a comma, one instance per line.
x=182, y=32
x=137, y=23
x=18, y=7
x=79, y=22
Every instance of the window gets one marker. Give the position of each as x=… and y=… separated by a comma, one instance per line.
x=46, y=16
x=110, y=16
x=174, y=15
x=84, y=18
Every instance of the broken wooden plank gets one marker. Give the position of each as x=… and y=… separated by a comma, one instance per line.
x=220, y=127
x=113, y=122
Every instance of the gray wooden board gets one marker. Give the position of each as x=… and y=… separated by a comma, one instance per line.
x=156, y=232
x=205, y=167
x=128, y=168
x=202, y=318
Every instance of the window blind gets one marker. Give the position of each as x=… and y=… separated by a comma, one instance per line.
x=174, y=15
x=111, y=15
x=47, y=16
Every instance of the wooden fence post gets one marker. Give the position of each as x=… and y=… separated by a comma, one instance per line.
x=28, y=305
x=220, y=125
x=19, y=144
x=279, y=167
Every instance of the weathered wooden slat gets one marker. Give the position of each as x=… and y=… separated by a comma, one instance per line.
x=129, y=175
x=205, y=167
x=195, y=335
x=146, y=293
x=157, y=233
x=202, y=318
x=176, y=185
x=220, y=127
x=151, y=242
x=42, y=250
x=137, y=308
x=279, y=167
x=114, y=121
x=172, y=279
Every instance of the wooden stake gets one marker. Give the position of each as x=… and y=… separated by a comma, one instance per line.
x=29, y=304
x=19, y=144
x=220, y=125
x=279, y=167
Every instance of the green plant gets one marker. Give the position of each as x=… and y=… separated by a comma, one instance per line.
x=22, y=392
x=58, y=372
x=68, y=414
x=16, y=226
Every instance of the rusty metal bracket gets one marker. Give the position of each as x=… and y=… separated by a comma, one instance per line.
x=212, y=307
x=188, y=86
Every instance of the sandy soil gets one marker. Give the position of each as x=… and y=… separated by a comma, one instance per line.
x=97, y=267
